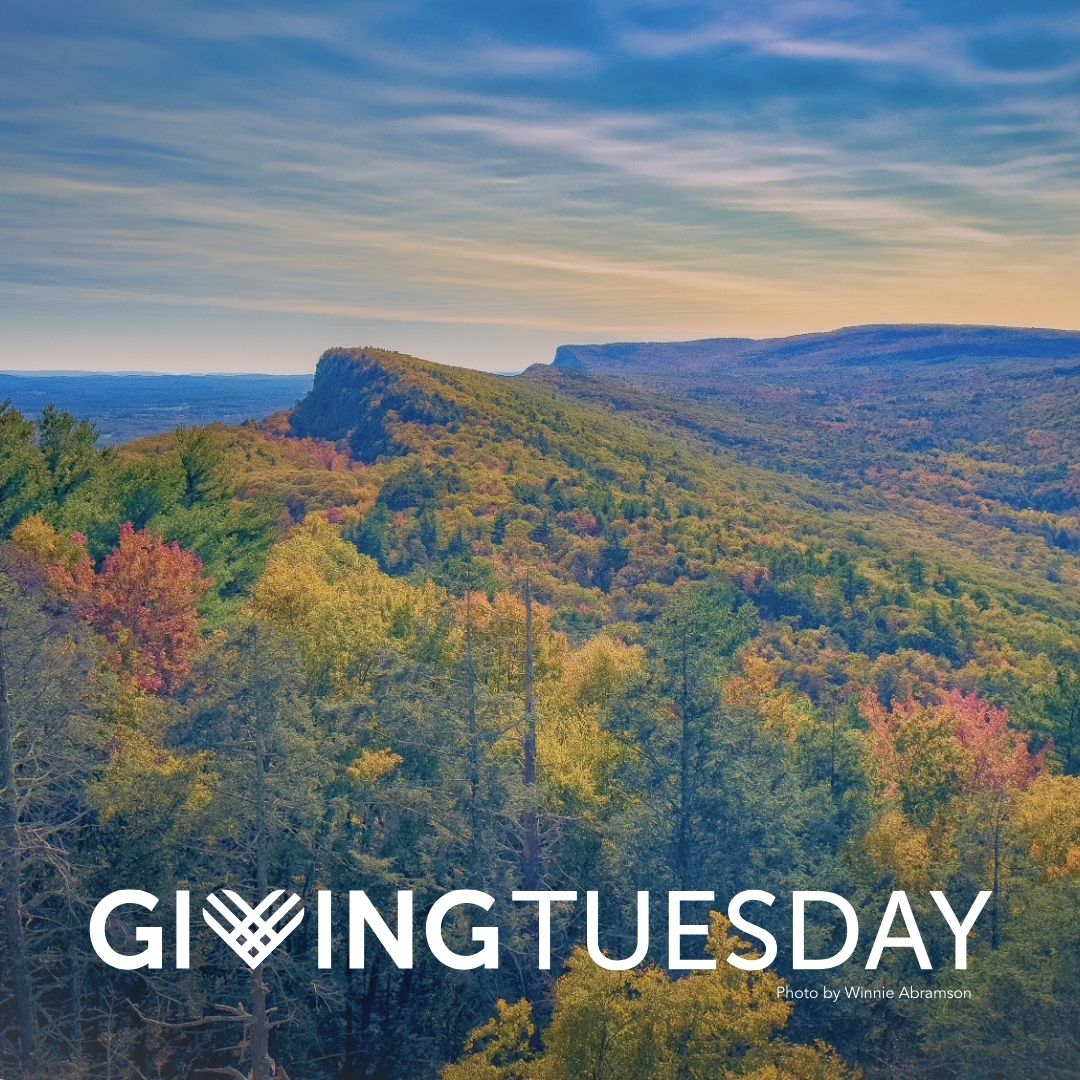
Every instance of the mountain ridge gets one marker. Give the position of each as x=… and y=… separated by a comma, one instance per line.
x=846, y=346
x=903, y=460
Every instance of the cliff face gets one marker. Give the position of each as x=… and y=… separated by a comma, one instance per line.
x=362, y=396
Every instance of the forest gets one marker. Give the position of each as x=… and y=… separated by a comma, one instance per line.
x=588, y=628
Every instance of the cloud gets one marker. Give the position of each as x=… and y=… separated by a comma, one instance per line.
x=288, y=305
x=630, y=168
x=844, y=34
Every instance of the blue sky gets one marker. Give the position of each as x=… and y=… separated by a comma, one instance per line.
x=238, y=186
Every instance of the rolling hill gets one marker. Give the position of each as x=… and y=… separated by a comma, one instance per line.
x=984, y=421
x=617, y=491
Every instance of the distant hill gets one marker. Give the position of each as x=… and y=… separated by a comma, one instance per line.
x=129, y=406
x=806, y=354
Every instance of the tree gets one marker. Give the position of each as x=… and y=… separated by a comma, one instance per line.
x=24, y=480
x=501, y=1049
x=609, y=1025
x=69, y=449
x=345, y=613
x=1048, y=825
x=956, y=753
x=251, y=716
x=1057, y=715
x=691, y=650
x=924, y=754
x=1024, y=1024
x=145, y=602
x=530, y=826
x=579, y=750
x=47, y=754
x=146, y=489
x=206, y=477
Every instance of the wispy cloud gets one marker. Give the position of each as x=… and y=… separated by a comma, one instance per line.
x=870, y=38
x=634, y=168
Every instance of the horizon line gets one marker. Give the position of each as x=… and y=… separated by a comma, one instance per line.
x=75, y=372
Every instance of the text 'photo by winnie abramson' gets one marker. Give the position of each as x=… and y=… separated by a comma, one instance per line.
x=539, y=541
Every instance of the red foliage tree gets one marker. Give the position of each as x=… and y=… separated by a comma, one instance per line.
x=924, y=753
x=980, y=750
x=999, y=754
x=959, y=745
x=144, y=601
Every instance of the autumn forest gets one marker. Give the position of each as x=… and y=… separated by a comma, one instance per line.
x=651, y=618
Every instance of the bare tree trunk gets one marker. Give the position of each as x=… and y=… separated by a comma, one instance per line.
x=76, y=962
x=10, y=859
x=261, y=1063
x=530, y=870
x=472, y=725
x=995, y=900
x=832, y=755
x=684, y=826
x=349, y=1066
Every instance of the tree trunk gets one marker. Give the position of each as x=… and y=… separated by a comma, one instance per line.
x=474, y=750
x=530, y=869
x=684, y=824
x=10, y=856
x=832, y=755
x=995, y=900
x=262, y=1067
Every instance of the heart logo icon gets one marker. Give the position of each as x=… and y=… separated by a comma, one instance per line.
x=253, y=936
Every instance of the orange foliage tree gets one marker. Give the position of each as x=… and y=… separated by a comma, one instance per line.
x=144, y=600
x=926, y=753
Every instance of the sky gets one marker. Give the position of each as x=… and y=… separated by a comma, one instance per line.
x=238, y=186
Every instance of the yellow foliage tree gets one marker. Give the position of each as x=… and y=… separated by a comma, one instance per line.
x=611, y=1025
x=1048, y=822
x=574, y=689
x=577, y=752
x=38, y=540
x=757, y=691
x=345, y=613
x=901, y=849
x=500, y=1049
x=149, y=785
